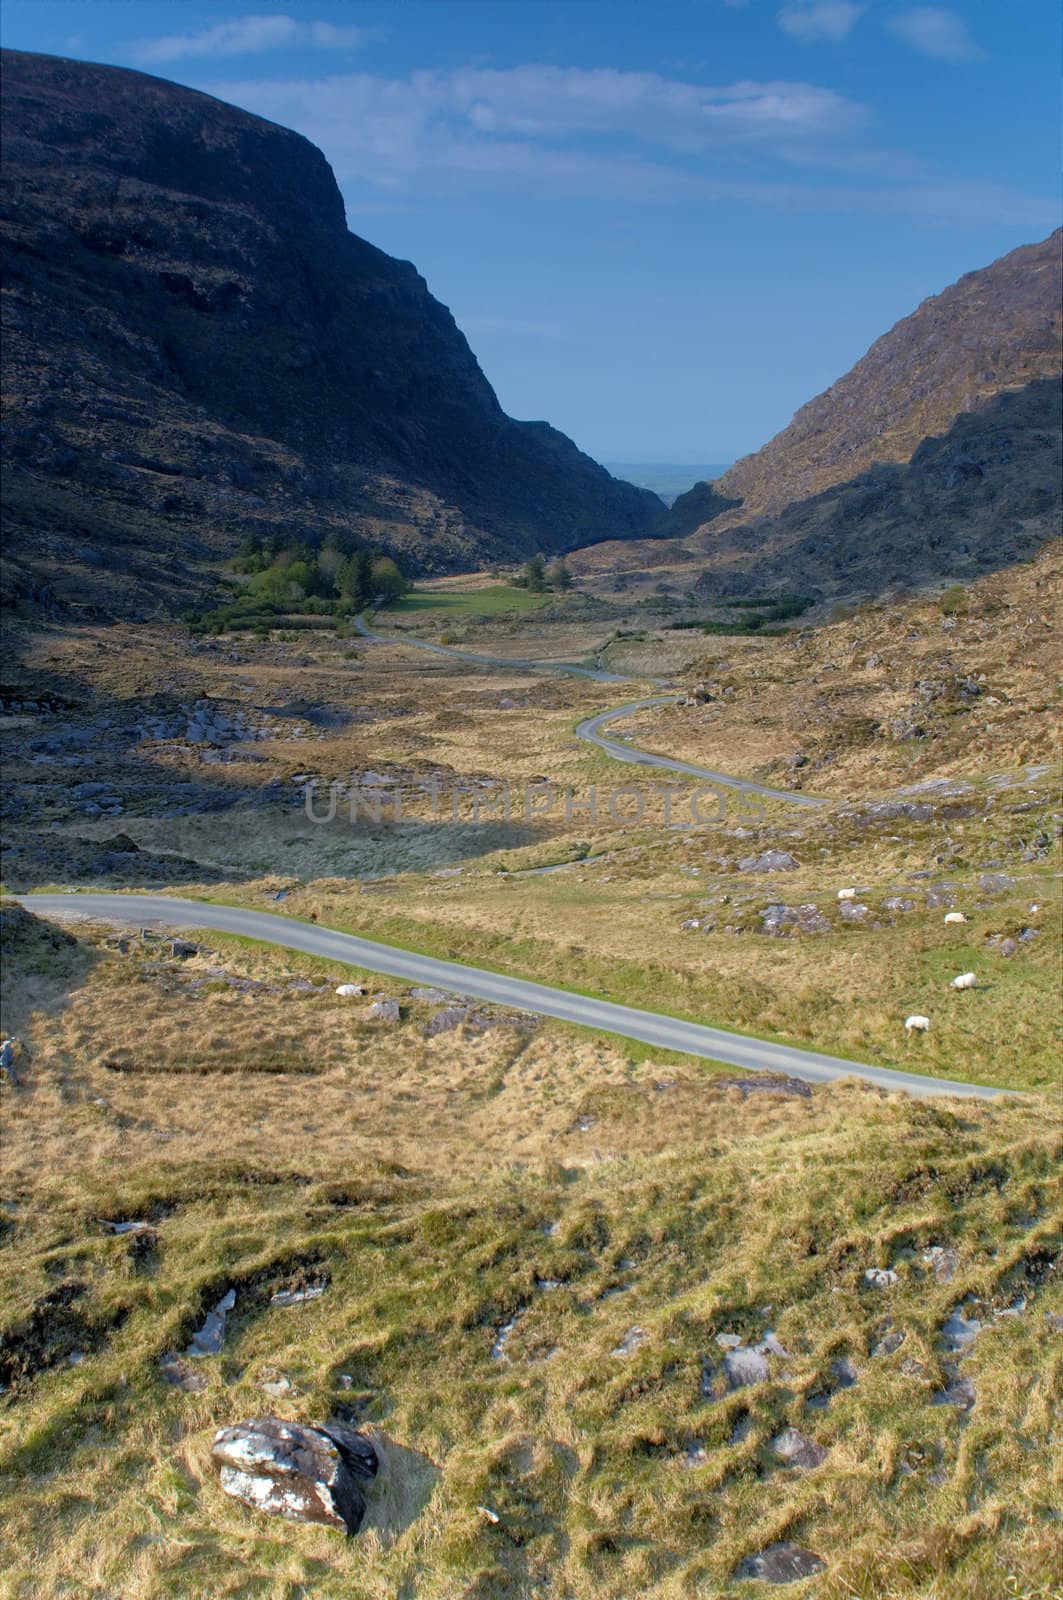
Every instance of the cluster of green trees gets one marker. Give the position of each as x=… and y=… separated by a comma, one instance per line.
x=537, y=577
x=336, y=580
x=341, y=570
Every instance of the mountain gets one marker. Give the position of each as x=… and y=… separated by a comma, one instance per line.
x=196, y=348
x=995, y=330
x=980, y=497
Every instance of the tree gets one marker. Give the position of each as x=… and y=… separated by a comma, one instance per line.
x=534, y=574
x=559, y=575
x=386, y=581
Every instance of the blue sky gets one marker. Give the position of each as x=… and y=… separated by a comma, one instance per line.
x=663, y=226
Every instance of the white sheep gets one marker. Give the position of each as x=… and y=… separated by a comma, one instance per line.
x=916, y=1024
x=346, y=989
x=955, y=916
x=846, y=894
x=966, y=980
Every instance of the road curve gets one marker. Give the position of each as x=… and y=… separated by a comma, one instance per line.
x=596, y=673
x=589, y=730
x=653, y=1028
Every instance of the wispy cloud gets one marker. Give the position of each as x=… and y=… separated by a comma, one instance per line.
x=936, y=31
x=387, y=129
x=245, y=36
x=596, y=134
x=811, y=20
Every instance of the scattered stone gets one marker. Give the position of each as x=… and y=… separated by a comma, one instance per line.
x=384, y=1011
x=769, y=861
x=995, y=882
x=436, y=996
x=1055, y=1321
x=277, y=1387
x=958, y=1332
x=942, y=1262
x=295, y=1297
x=959, y=1392
x=176, y=1370
x=796, y=1449
x=745, y=1366
x=897, y=902
x=183, y=949
x=767, y=1083
x=777, y=919
x=880, y=1277
x=208, y=1339
x=729, y=1341
x=889, y=1343
x=781, y=1563
x=293, y=1470
x=853, y=911
x=447, y=1020
x=128, y=1227
x=633, y=1339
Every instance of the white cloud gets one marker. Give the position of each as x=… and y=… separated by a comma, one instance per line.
x=809, y=20
x=599, y=134
x=247, y=36
x=936, y=31
x=385, y=129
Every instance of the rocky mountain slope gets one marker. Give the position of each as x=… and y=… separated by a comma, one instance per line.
x=196, y=348
x=994, y=331
x=982, y=496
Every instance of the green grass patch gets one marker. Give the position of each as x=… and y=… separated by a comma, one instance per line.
x=494, y=601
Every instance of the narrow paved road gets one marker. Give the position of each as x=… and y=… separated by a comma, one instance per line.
x=589, y=729
x=653, y=1028
x=596, y=673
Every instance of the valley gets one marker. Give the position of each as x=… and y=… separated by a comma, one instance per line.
x=531, y=1032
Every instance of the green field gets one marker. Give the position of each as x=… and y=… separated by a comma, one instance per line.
x=489, y=602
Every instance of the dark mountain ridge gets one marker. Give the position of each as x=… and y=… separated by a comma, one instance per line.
x=980, y=497
x=994, y=330
x=196, y=348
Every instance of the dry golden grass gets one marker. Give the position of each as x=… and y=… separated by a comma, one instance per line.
x=442, y=1190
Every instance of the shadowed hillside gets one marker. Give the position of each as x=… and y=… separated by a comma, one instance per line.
x=993, y=331
x=196, y=349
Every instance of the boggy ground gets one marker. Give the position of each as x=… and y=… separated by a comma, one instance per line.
x=534, y=1240
x=537, y=1256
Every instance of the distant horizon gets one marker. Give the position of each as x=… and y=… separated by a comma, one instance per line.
x=656, y=227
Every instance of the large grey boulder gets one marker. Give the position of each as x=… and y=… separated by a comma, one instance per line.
x=293, y=1470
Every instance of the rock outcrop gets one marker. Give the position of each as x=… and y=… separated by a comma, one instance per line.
x=982, y=497
x=293, y=1470
x=196, y=349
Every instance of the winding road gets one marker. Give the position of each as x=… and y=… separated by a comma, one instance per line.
x=590, y=729
x=653, y=1028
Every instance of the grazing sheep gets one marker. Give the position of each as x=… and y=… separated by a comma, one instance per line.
x=350, y=988
x=916, y=1024
x=846, y=894
x=955, y=916
x=966, y=980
